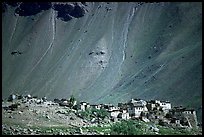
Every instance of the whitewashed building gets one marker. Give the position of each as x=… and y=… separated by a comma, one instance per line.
x=165, y=106
x=124, y=114
x=112, y=108
x=135, y=111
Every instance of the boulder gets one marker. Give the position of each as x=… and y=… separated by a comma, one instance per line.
x=153, y=128
x=44, y=99
x=47, y=117
x=39, y=101
x=93, y=120
x=28, y=96
x=57, y=100
x=12, y=97
x=145, y=119
x=20, y=97
x=14, y=106
x=71, y=118
x=10, y=116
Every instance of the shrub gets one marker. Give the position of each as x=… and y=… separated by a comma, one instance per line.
x=129, y=127
x=92, y=112
x=72, y=99
x=102, y=113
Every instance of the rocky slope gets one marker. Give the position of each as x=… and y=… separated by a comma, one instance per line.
x=103, y=52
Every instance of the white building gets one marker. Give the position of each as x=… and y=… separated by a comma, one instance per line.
x=83, y=106
x=112, y=108
x=165, y=105
x=135, y=111
x=114, y=113
x=124, y=115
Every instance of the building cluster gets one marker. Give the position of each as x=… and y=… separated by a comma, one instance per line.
x=160, y=112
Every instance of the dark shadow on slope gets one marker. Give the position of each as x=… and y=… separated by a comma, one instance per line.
x=67, y=11
x=13, y=4
x=63, y=11
x=77, y=12
x=3, y=7
x=32, y=8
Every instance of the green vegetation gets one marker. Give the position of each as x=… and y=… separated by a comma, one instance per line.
x=92, y=113
x=72, y=99
x=128, y=127
x=105, y=129
x=133, y=127
x=176, y=131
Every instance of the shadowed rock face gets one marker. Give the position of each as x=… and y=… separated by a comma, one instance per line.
x=104, y=52
x=65, y=11
x=29, y=9
x=4, y=7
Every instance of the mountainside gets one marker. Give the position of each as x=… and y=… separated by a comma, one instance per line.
x=104, y=52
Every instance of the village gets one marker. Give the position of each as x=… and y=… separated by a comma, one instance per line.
x=159, y=112
x=70, y=112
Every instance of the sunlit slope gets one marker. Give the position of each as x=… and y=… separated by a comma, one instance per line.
x=115, y=52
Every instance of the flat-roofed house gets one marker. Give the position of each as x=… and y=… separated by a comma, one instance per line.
x=165, y=106
x=135, y=110
x=124, y=114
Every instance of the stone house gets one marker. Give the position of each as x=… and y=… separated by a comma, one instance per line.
x=125, y=116
x=153, y=105
x=165, y=106
x=187, y=116
x=135, y=110
x=190, y=115
x=136, y=107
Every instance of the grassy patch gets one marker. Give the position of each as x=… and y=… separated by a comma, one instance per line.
x=98, y=129
x=129, y=127
x=177, y=131
x=93, y=113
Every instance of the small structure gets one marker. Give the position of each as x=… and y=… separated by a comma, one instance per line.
x=190, y=115
x=83, y=106
x=175, y=120
x=114, y=113
x=111, y=108
x=124, y=114
x=187, y=116
x=96, y=106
